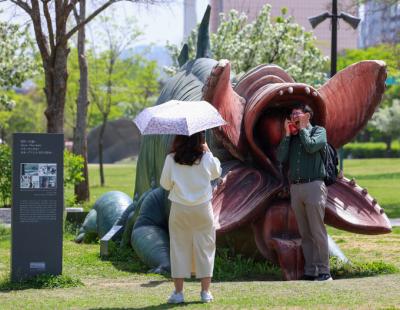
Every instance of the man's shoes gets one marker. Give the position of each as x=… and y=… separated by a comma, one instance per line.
x=307, y=277
x=176, y=298
x=206, y=296
x=324, y=277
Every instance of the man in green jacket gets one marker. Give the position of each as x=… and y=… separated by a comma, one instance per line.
x=308, y=191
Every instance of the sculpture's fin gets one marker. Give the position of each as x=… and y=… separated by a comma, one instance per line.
x=203, y=36
x=351, y=98
x=184, y=55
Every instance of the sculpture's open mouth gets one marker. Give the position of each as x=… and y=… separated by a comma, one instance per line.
x=265, y=115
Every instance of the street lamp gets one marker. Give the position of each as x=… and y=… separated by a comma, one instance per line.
x=353, y=21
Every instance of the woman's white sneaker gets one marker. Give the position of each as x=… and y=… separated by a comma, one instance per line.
x=206, y=296
x=176, y=298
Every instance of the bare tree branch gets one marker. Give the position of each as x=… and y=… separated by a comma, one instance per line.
x=49, y=23
x=40, y=36
x=76, y=14
x=23, y=5
x=90, y=17
x=69, y=6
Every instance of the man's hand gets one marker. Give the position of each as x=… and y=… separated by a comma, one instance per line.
x=287, y=129
x=303, y=120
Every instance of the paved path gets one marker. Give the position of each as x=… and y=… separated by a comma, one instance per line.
x=5, y=216
x=395, y=222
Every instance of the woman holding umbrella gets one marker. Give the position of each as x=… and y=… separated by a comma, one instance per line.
x=188, y=170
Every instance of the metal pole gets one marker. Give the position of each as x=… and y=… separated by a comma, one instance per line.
x=334, y=37
x=334, y=60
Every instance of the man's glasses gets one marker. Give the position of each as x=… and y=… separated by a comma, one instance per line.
x=296, y=114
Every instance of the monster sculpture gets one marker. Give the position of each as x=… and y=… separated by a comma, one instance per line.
x=251, y=201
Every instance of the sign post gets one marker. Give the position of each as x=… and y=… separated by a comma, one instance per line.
x=37, y=205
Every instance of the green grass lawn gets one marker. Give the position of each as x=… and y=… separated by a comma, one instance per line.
x=118, y=177
x=122, y=282
x=382, y=179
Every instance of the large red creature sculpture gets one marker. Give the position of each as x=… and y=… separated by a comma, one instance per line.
x=248, y=202
x=251, y=203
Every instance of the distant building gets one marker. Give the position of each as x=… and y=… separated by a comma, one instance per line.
x=189, y=17
x=380, y=23
x=300, y=10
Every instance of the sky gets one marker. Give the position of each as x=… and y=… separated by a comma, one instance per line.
x=160, y=23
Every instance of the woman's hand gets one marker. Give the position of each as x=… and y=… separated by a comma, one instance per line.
x=205, y=147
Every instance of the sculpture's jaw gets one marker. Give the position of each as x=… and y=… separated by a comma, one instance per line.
x=351, y=208
x=265, y=114
x=257, y=106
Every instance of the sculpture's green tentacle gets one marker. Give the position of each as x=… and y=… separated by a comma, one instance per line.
x=203, y=36
x=89, y=226
x=150, y=238
x=184, y=55
x=112, y=205
x=128, y=227
x=106, y=211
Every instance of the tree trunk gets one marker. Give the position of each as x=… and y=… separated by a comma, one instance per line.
x=56, y=76
x=80, y=139
x=101, y=134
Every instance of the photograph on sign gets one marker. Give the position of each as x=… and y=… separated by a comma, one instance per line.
x=38, y=175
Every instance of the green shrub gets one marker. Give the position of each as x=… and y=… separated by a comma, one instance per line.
x=370, y=150
x=4, y=231
x=359, y=269
x=73, y=166
x=5, y=176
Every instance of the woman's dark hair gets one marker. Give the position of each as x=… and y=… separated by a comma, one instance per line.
x=188, y=149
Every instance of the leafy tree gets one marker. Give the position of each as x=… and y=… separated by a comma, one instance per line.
x=140, y=83
x=27, y=115
x=114, y=82
x=386, y=52
x=50, y=20
x=387, y=121
x=390, y=54
x=265, y=40
x=16, y=65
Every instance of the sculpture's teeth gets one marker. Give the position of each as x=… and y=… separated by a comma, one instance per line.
x=364, y=191
x=352, y=182
x=281, y=93
x=307, y=89
x=314, y=93
x=381, y=211
x=290, y=90
x=374, y=201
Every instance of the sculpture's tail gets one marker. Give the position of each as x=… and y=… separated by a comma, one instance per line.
x=150, y=238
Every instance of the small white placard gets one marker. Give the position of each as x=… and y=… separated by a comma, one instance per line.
x=37, y=266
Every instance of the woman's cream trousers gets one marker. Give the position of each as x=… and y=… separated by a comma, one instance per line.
x=192, y=232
